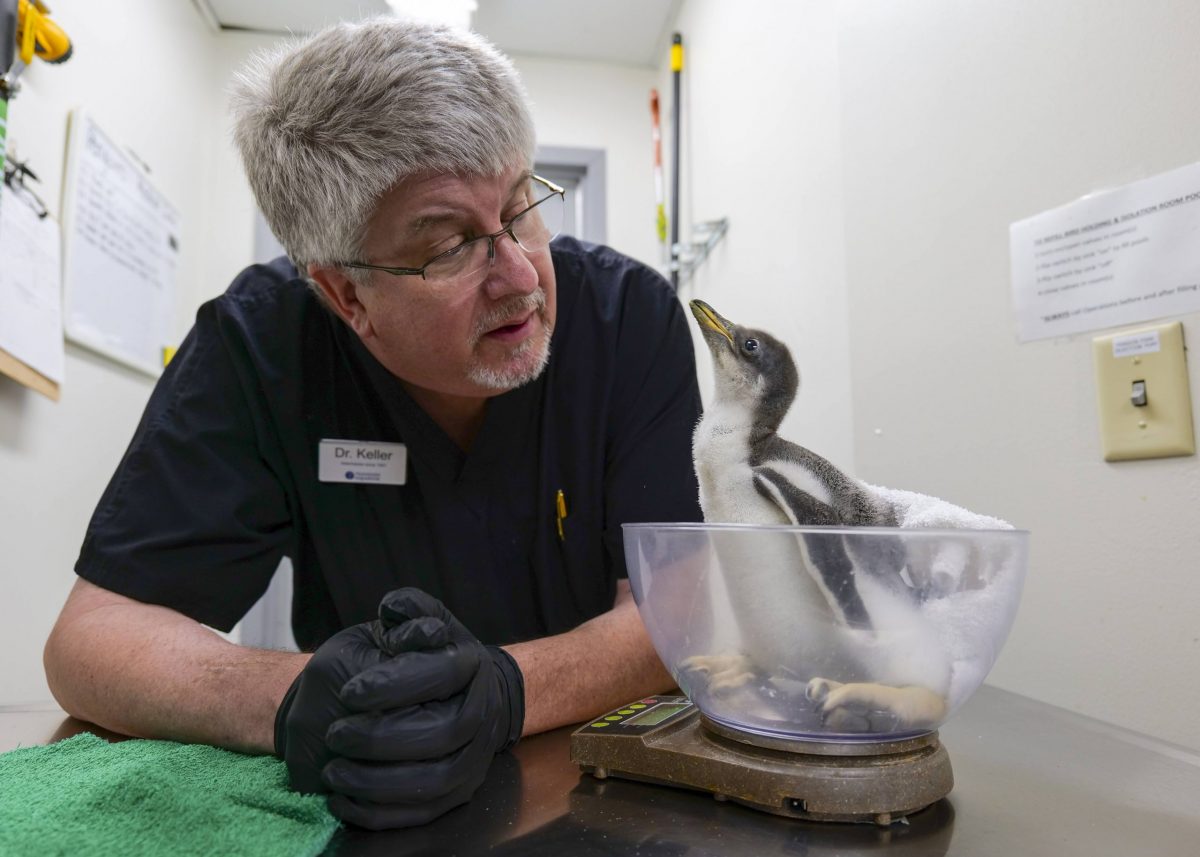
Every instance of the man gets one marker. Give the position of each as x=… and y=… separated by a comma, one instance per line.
x=505, y=404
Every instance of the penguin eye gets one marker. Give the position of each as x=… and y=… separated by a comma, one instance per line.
x=751, y=345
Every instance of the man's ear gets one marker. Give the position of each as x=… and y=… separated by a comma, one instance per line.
x=341, y=293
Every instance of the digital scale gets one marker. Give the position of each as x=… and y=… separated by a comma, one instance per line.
x=666, y=740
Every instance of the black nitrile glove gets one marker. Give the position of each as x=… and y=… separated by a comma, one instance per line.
x=413, y=752
x=313, y=702
x=400, y=718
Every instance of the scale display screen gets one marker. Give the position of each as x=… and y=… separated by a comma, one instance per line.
x=657, y=714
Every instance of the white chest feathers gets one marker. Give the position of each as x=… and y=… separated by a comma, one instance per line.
x=721, y=452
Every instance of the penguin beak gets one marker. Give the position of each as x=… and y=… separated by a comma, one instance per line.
x=708, y=318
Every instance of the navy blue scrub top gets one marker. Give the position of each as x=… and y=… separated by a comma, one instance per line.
x=220, y=479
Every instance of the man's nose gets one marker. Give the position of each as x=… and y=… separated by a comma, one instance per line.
x=511, y=272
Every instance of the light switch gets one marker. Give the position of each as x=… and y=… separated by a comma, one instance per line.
x=1142, y=391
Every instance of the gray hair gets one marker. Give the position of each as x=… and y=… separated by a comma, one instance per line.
x=328, y=124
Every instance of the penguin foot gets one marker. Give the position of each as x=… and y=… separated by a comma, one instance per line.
x=870, y=707
x=724, y=672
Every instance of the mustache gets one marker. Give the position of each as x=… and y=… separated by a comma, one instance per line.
x=514, y=306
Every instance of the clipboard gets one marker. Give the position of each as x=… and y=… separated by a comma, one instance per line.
x=31, y=339
x=30, y=377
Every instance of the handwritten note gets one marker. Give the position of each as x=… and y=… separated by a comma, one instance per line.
x=121, y=252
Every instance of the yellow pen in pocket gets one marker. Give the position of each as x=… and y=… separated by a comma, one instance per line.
x=560, y=511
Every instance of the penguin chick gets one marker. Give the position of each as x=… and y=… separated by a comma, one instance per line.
x=756, y=382
x=748, y=474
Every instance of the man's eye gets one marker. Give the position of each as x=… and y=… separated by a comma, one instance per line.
x=454, y=252
x=452, y=242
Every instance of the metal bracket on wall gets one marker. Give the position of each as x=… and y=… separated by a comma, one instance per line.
x=706, y=235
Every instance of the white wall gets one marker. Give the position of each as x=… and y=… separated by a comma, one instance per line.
x=762, y=147
x=166, y=101
x=959, y=119
x=900, y=140
x=230, y=230
x=145, y=75
x=602, y=106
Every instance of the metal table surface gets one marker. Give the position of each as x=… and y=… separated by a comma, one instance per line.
x=1030, y=779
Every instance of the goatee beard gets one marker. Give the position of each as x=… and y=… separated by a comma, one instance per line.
x=526, y=361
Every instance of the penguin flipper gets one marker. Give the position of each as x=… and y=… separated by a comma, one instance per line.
x=800, y=507
x=828, y=562
x=885, y=558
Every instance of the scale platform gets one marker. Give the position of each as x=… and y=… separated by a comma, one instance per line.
x=666, y=740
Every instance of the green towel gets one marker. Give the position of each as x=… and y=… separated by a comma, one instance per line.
x=87, y=796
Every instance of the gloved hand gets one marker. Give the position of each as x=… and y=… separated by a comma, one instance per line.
x=400, y=718
x=313, y=703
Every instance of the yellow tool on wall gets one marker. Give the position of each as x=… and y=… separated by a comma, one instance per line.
x=40, y=36
x=26, y=31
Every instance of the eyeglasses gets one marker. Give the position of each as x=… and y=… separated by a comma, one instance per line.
x=533, y=230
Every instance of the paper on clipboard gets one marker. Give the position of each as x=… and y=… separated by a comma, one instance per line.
x=121, y=252
x=30, y=287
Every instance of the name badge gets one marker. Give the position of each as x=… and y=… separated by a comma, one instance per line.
x=358, y=462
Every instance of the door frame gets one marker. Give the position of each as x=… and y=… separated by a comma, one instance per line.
x=591, y=164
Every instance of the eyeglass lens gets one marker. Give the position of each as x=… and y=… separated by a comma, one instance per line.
x=533, y=229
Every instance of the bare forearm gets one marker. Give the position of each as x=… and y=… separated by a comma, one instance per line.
x=150, y=672
x=598, y=666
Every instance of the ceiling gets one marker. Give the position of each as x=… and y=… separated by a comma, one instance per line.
x=629, y=32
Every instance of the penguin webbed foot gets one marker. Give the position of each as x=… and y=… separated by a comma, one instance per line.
x=722, y=673
x=871, y=707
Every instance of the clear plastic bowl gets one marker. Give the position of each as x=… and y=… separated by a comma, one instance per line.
x=826, y=633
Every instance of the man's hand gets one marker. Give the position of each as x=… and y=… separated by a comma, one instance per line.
x=399, y=718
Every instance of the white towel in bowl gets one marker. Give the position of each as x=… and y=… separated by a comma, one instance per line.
x=915, y=511
x=966, y=586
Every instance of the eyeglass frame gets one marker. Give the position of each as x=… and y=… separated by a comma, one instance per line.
x=555, y=190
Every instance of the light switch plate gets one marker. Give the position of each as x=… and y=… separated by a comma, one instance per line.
x=1163, y=426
